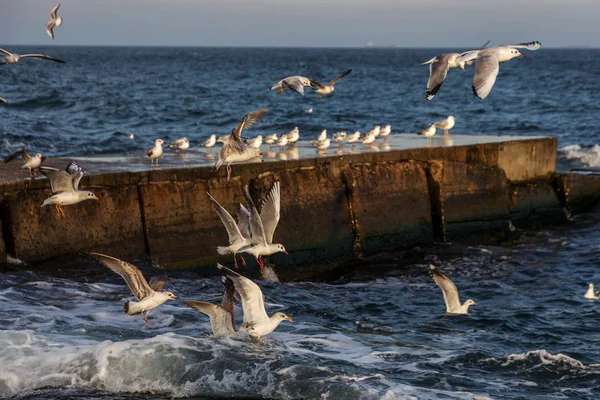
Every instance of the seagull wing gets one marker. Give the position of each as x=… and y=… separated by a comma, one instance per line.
x=43, y=57
x=221, y=320
x=3, y=100
x=529, y=46
x=438, y=70
x=5, y=52
x=50, y=29
x=257, y=229
x=253, y=304
x=270, y=211
x=448, y=290
x=248, y=122
x=132, y=275
x=294, y=84
x=157, y=283
x=334, y=81
x=243, y=224
x=20, y=153
x=235, y=236
x=486, y=71
x=54, y=11
x=60, y=181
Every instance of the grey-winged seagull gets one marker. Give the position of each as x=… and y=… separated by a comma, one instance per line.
x=295, y=83
x=150, y=295
x=180, y=144
x=221, y=316
x=328, y=88
x=487, y=64
x=429, y=132
x=450, y=293
x=65, y=185
x=446, y=124
x=31, y=162
x=13, y=58
x=155, y=152
x=256, y=320
x=55, y=21
x=235, y=149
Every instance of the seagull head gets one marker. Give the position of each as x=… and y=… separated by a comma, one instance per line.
x=280, y=248
x=170, y=295
x=90, y=196
x=282, y=317
x=40, y=157
x=158, y=141
x=591, y=286
x=470, y=302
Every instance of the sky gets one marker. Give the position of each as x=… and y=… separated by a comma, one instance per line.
x=303, y=23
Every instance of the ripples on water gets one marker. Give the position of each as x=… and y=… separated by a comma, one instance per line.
x=378, y=335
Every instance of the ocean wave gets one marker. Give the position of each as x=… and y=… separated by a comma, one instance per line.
x=588, y=156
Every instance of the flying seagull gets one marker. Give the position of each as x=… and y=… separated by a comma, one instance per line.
x=149, y=295
x=66, y=186
x=328, y=88
x=256, y=320
x=295, y=83
x=221, y=316
x=31, y=163
x=54, y=21
x=450, y=293
x=487, y=64
x=12, y=58
x=235, y=149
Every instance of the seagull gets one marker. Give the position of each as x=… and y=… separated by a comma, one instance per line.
x=239, y=234
x=234, y=148
x=131, y=136
x=155, y=152
x=296, y=83
x=429, y=132
x=340, y=137
x=322, y=136
x=256, y=321
x=256, y=142
x=221, y=316
x=149, y=295
x=368, y=138
x=271, y=139
x=263, y=225
x=2, y=100
x=446, y=124
x=385, y=132
x=293, y=135
x=283, y=140
x=66, y=186
x=308, y=111
x=327, y=89
x=210, y=142
x=54, y=21
x=12, y=58
x=180, y=144
x=375, y=131
x=31, y=163
x=487, y=64
x=450, y=293
x=321, y=145
x=353, y=138
x=590, y=294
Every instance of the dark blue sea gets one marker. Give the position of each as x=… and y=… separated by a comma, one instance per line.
x=377, y=333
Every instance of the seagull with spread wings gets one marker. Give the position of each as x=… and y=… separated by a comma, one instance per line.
x=55, y=21
x=13, y=58
x=328, y=88
x=263, y=225
x=31, y=163
x=235, y=149
x=450, y=293
x=295, y=83
x=66, y=186
x=150, y=295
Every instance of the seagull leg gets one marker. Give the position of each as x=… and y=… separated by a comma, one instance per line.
x=62, y=212
x=243, y=261
x=146, y=320
x=235, y=260
x=280, y=90
x=57, y=210
x=446, y=132
x=260, y=263
x=228, y=171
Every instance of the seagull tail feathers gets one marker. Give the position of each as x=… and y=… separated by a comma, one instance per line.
x=128, y=309
x=222, y=250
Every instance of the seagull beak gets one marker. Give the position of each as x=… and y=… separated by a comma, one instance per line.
x=285, y=252
x=522, y=55
x=289, y=319
x=475, y=304
x=96, y=198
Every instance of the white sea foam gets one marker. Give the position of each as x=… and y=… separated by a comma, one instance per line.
x=588, y=156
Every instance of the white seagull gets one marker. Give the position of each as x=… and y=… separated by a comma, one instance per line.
x=353, y=138
x=150, y=295
x=270, y=140
x=328, y=88
x=487, y=64
x=221, y=316
x=429, y=132
x=155, y=152
x=446, y=124
x=256, y=142
x=385, y=132
x=450, y=293
x=438, y=69
x=66, y=186
x=282, y=142
x=13, y=58
x=591, y=294
x=54, y=21
x=256, y=320
x=263, y=225
x=295, y=83
x=322, y=136
x=321, y=145
x=31, y=163
x=210, y=142
x=180, y=144
x=239, y=234
x=340, y=137
x=293, y=136
x=234, y=148
x=368, y=138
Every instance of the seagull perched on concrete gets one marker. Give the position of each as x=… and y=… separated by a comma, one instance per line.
x=429, y=132
x=328, y=88
x=31, y=163
x=446, y=124
x=234, y=148
x=450, y=293
x=256, y=142
x=353, y=138
x=180, y=144
x=262, y=226
x=487, y=64
x=65, y=183
x=591, y=294
x=13, y=58
x=271, y=140
x=210, y=142
x=295, y=83
x=54, y=21
x=150, y=295
x=155, y=152
x=256, y=320
x=293, y=136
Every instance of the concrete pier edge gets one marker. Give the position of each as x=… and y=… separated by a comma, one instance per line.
x=334, y=209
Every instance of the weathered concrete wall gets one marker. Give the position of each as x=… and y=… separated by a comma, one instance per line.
x=333, y=208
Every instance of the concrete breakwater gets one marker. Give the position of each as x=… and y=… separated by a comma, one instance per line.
x=333, y=208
